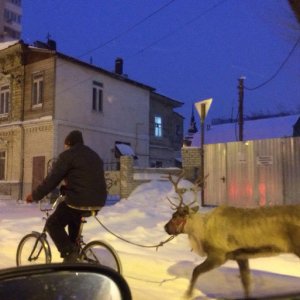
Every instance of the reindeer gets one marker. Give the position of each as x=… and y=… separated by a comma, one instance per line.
x=231, y=233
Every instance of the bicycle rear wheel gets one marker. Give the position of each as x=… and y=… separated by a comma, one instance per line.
x=99, y=252
x=33, y=249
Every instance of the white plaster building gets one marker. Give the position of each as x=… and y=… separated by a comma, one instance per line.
x=46, y=94
x=10, y=20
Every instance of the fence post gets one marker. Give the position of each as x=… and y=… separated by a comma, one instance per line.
x=126, y=176
x=191, y=162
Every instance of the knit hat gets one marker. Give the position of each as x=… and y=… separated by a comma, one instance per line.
x=73, y=138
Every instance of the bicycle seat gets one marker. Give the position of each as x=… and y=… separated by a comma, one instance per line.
x=89, y=213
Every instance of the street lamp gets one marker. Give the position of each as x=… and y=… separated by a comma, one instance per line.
x=202, y=108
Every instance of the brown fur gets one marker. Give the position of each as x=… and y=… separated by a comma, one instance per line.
x=239, y=234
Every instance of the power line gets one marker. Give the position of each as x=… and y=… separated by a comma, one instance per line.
x=116, y=37
x=278, y=70
x=128, y=29
x=137, y=24
x=180, y=27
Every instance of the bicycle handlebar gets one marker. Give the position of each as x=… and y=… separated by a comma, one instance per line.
x=53, y=206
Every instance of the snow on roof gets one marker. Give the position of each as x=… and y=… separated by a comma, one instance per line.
x=125, y=149
x=4, y=45
x=253, y=130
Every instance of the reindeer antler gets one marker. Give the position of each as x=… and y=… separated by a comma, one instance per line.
x=179, y=191
x=200, y=181
x=174, y=206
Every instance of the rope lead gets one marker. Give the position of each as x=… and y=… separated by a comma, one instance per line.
x=144, y=246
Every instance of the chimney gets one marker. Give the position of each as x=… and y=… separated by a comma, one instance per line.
x=119, y=66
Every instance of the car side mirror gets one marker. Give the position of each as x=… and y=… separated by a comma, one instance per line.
x=63, y=281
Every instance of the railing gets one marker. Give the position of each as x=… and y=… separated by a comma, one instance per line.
x=111, y=166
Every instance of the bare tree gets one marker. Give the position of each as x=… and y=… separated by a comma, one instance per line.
x=295, y=6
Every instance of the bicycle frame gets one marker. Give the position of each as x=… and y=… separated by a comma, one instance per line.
x=40, y=237
x=41, y=243
x=43, y=236
x=39, y=248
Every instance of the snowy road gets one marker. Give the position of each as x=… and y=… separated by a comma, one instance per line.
x=151, y=274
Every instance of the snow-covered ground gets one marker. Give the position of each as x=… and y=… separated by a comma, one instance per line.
x=163, y=274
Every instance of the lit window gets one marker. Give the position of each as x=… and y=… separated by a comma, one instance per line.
x=37, y=89
x=4, y=99
x=2, y=165
x=97, y=104
x=157, y=126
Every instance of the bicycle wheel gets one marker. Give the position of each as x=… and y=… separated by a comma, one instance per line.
x=98, y=252
x=33, y=249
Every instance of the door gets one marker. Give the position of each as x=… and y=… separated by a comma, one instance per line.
x=215, y=170
x=38, y=170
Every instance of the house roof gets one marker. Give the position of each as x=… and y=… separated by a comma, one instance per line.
x=109, y=73
x=179, y=115
x=162, y=98
x=253, y=130
x=45, y=49
x=4, y=45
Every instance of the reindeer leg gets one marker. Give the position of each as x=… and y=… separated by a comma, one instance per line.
x=212, y=261
x=245, y=275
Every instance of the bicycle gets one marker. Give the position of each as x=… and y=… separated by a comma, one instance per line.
x=34, y=247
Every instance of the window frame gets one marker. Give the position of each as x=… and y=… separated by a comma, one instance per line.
x=5, y=97
x=38, y=90
x=3, y=164
x=158, y=126
x=97, y=97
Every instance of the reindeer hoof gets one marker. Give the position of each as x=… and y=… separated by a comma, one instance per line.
x=188, y=294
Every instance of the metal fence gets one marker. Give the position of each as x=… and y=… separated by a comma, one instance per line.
x=253, y=173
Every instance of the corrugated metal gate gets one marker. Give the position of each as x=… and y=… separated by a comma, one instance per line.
x=291, y=171
x=252, y=173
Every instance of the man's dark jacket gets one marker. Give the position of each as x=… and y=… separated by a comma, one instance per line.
x=82, y=170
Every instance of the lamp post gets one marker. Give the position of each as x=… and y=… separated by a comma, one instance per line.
x=202, y=109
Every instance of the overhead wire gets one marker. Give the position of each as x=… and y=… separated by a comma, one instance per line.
x=140, y=22
x=128, y=29
x=273, y=76
x=180, y=27
x=118, y=36
x=279, y=68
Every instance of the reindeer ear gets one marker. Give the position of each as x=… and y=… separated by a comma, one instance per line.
x=194, y=209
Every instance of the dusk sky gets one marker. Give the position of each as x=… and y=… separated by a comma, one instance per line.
x=188, y=50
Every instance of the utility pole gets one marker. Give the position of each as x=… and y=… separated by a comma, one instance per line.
x=241, y=108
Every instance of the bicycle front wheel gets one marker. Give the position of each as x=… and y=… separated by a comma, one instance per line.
x=99, y=252
x=33, y=249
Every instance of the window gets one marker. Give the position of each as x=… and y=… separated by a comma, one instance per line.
x=157, y=126
x=156, y=164
x=16, y=2
x=97, y=96
x=11, y=17
x=11, y=32
x=2, y=164
x=37, y=89
x=4, y=99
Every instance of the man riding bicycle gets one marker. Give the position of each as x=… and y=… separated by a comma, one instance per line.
x=81, y=168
